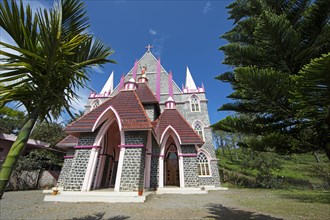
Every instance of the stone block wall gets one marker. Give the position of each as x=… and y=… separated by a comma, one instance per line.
x=77, y=173
x=66, y=167
x=151, y=112
x=213, y=180
x=190, y=166
x=65, y=172
x=132, y=177
x=154, y=169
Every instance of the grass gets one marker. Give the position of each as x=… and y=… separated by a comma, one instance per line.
x=298, y=170
x=288, y=204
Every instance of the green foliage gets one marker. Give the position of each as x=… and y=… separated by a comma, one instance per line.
x=48, y=132
x=11, y=120
x=40, y=159
x=265, y=163
x=296, y=171
x=46, y=66
x=280, y=54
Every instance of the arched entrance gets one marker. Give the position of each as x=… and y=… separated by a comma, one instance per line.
x=171, y=165
x=108, y=158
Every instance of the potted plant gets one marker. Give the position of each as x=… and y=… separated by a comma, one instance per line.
x=140, y=191
x=55, y=191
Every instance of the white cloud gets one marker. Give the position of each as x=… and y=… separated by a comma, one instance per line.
x=79, y=103
x=97, y=69
x=158, y=45
x=207, y=8
x=152, y=31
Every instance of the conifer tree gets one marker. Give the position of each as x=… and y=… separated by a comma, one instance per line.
x=281, y=94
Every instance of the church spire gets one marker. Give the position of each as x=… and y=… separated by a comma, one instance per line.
x=108, y=86
x=190, y=83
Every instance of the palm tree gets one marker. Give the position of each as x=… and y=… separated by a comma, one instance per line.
x=49, y=62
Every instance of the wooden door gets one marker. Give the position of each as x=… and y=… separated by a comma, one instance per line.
x=172, y=167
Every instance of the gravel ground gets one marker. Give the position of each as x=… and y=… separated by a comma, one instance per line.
x=214, y=205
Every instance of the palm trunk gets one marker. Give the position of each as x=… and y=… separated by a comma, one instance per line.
x=15, y=151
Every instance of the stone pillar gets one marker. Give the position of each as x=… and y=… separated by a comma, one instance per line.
x=77, y=173
x=132, y=174
x=189, y=155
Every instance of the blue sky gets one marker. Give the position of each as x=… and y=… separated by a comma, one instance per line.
x=183, y=33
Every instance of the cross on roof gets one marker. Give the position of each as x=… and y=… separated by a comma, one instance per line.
x=149, y=47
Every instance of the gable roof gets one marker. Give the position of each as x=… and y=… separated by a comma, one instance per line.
x=68, y=141
x=128, y=107
x=171, y=117
x=145, y=94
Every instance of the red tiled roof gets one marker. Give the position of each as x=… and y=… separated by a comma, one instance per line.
x=175, y=119
x=154, y=123
x=68, y=141
x=127, y=105
x=145, y=94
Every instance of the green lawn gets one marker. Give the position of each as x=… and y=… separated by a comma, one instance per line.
x=289, y=204
x=299, y=170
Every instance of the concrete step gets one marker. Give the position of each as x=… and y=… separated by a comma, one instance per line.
x=178, y=190
x=110, y=197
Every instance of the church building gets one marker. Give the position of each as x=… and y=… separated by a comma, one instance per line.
x=145, y=133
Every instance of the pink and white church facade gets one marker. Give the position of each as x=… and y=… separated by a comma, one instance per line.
x=145, y=133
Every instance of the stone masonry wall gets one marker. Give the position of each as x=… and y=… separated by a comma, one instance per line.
x=132, y=177
x=65, y=171
x=150, y=110
x=80, y=161
x=190, y=166
x=213, y=180
x=65, y=168
x=154, y=170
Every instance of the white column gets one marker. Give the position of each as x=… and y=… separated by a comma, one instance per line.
x=99, y=172
x=120, y=162
x=181, y=171
x=90, y=170
x=161, y=172
x=147, y=164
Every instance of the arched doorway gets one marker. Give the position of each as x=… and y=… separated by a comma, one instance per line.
x=171, y=165
x=108, y=158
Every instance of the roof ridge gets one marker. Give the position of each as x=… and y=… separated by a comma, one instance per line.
x=84, y=115
x=145, y=113
x=186, y=123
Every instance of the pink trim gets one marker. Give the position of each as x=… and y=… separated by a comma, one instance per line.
x=86, y=147
x=121, y=84
x=131, y=145
x=135, y=69
x=187, y=155
x=68, y=157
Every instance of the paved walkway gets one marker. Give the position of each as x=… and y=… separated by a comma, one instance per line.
x=215, y=205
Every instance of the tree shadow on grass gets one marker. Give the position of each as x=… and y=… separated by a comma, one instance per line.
x=99, y=216
x=317, y=197
x=218, y=211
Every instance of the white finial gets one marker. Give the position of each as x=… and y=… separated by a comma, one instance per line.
x=108, y=86
x=190, y=84
x=149, y=47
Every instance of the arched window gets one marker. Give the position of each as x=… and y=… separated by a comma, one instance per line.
x=194, y=102
x=203, y=167
x=96, y=103
x=199, y=129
